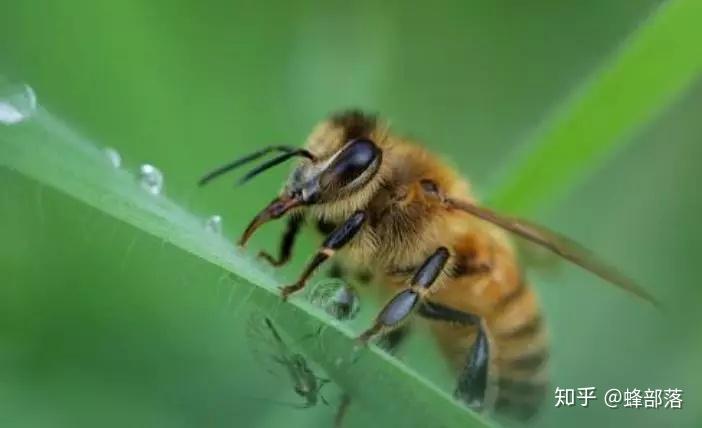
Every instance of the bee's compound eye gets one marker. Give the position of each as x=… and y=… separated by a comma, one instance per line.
x=356, y=158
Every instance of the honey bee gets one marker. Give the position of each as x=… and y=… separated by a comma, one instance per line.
x=394, y=213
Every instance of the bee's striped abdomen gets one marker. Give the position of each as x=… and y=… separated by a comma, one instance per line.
x=520, y=352
x=518, y=343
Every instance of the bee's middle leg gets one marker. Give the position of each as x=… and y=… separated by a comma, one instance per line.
x=399, y=308
x=390, y=343
x=473, y=380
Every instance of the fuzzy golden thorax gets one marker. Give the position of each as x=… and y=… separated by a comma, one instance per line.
x=404, y=226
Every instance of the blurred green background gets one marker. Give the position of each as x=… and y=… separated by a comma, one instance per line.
x=101, y=325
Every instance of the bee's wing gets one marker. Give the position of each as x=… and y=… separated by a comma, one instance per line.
x=558, y=244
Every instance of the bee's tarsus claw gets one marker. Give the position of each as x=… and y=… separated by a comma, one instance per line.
x=367, y=335
x=270, y=259
x=286, y=291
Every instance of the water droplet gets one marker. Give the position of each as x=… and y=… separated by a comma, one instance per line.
x=18, y=102
x=151, y=179
x=113, y=157
x=336, y=297
x=214, y=224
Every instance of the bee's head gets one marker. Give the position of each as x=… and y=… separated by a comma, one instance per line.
x=339, y=164
x=336, y=176
x=346, y=158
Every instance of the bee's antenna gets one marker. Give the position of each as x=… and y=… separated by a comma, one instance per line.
x=241, y=161
x=273, y=162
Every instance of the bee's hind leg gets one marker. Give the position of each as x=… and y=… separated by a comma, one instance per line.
x=473, y=380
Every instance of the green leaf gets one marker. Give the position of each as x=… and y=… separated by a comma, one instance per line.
x=45, y=150
x=651, y=69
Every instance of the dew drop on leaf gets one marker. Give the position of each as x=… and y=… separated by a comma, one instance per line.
x=18, y=102
x=113, y=157
x=336, y=297
x=214, y=224
x=151, y=179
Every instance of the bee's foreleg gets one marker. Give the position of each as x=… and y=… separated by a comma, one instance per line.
x=401, y=306
x=336, y=240
x=286, y=244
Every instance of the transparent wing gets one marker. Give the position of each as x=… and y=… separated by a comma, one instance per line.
x=558, y=244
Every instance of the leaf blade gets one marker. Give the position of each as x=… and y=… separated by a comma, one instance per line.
x=651, y=70
x=49, y=153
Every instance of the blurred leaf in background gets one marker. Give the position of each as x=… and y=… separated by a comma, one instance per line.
x=94, y=321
